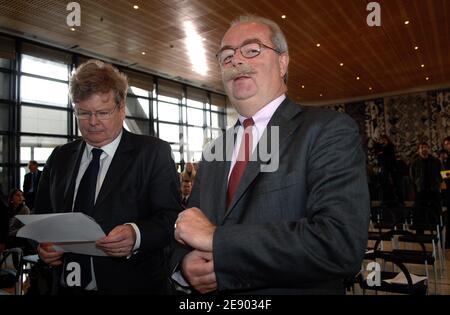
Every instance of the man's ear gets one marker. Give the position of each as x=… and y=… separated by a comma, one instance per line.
x=284, y=63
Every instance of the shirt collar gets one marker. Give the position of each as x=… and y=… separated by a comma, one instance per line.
x=263, y=116
x=108, y=149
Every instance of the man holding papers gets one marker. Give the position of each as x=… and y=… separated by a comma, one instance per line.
x=127, y=183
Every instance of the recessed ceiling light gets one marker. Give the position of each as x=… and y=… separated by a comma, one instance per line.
x=341, y=64
x=422, y=65
x=416, y=47
x=357, y=78
x=406, y=22
x=318, y=45
x=72, y=29
x=135, y=7
x=321, y=94
x=143, y=53
x=370, y=88
x=283, y=16
x=303, y=86
x=427, y=78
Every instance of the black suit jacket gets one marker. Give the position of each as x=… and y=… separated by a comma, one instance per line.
x=301, y=229
x=27, y=181
x=141, y=186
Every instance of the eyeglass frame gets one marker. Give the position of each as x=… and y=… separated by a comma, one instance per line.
x=110, y=113
x=246, y=42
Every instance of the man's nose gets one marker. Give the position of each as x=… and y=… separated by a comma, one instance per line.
x=238, y=59
x=93, y=120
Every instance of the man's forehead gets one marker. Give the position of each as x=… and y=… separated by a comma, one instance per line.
x=244, y=32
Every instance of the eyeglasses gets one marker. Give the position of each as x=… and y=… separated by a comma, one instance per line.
x=100, y=115
x=247, y=49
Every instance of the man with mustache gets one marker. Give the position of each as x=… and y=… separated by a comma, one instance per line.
x=126, y=182
x=298, y=229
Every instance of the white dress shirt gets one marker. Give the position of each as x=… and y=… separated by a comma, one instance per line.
x=261, y=119
x=105, y=161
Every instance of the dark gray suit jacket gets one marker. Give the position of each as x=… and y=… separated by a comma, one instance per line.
x=142, y=187
x=301, y=229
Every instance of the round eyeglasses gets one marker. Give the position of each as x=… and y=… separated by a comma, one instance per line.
x=248, y=50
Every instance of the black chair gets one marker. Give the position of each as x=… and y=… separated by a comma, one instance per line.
x=410, y=288
x=10, y=277
x=427, y=223
x=409, y=256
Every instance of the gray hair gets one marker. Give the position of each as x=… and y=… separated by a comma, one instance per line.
x=278, y=38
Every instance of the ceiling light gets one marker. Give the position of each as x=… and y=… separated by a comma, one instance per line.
x=370, y=88
x=143, y=53
x=416, y=47
x=195, y=49
x=406, y=22
x=283, y=16
x=135, y=7
x=427, y=78
x=341, y=64
x=357, y=78
x=303, y=86
x=72, y=29
x=422, y=65
x=318, y=45
x=321, y=94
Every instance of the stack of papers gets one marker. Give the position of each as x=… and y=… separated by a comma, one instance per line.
x=72, y=232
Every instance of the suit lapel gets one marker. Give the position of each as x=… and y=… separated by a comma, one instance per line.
x=222, y=169
x=282, y=118
x=119, y=166
x=73, y=164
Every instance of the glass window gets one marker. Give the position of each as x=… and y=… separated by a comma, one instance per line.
x=155, y=110
x=195, y=116
x=4, y=181
x=140, y=127
x=4, y=117
x=42, y=120
x=38, y=148
x=215, y=120
x=4, y=86
x=43, y=67
x=195, y=104
x=168, y=112
x=25, y=154
x=138, y=107
x=176, y=152
x=169, y=132
x=138, y=92
x=4, y=149
x=195, y=139
x=42, y=91
x=168, y=99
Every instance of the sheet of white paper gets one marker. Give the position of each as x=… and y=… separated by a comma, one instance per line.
x=85, y=248
x=401, y=279
x=75, y=230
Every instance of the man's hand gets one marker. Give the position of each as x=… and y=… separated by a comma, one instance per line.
x=119, y=242
x=194, y=229
x=198, y=269
x=49, y=255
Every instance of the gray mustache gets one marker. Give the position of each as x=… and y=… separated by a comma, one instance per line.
x=233, y=73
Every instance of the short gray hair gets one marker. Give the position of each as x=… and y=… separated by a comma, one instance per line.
x=278, y=38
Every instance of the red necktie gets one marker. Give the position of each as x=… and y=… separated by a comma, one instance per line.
x=243, y=157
